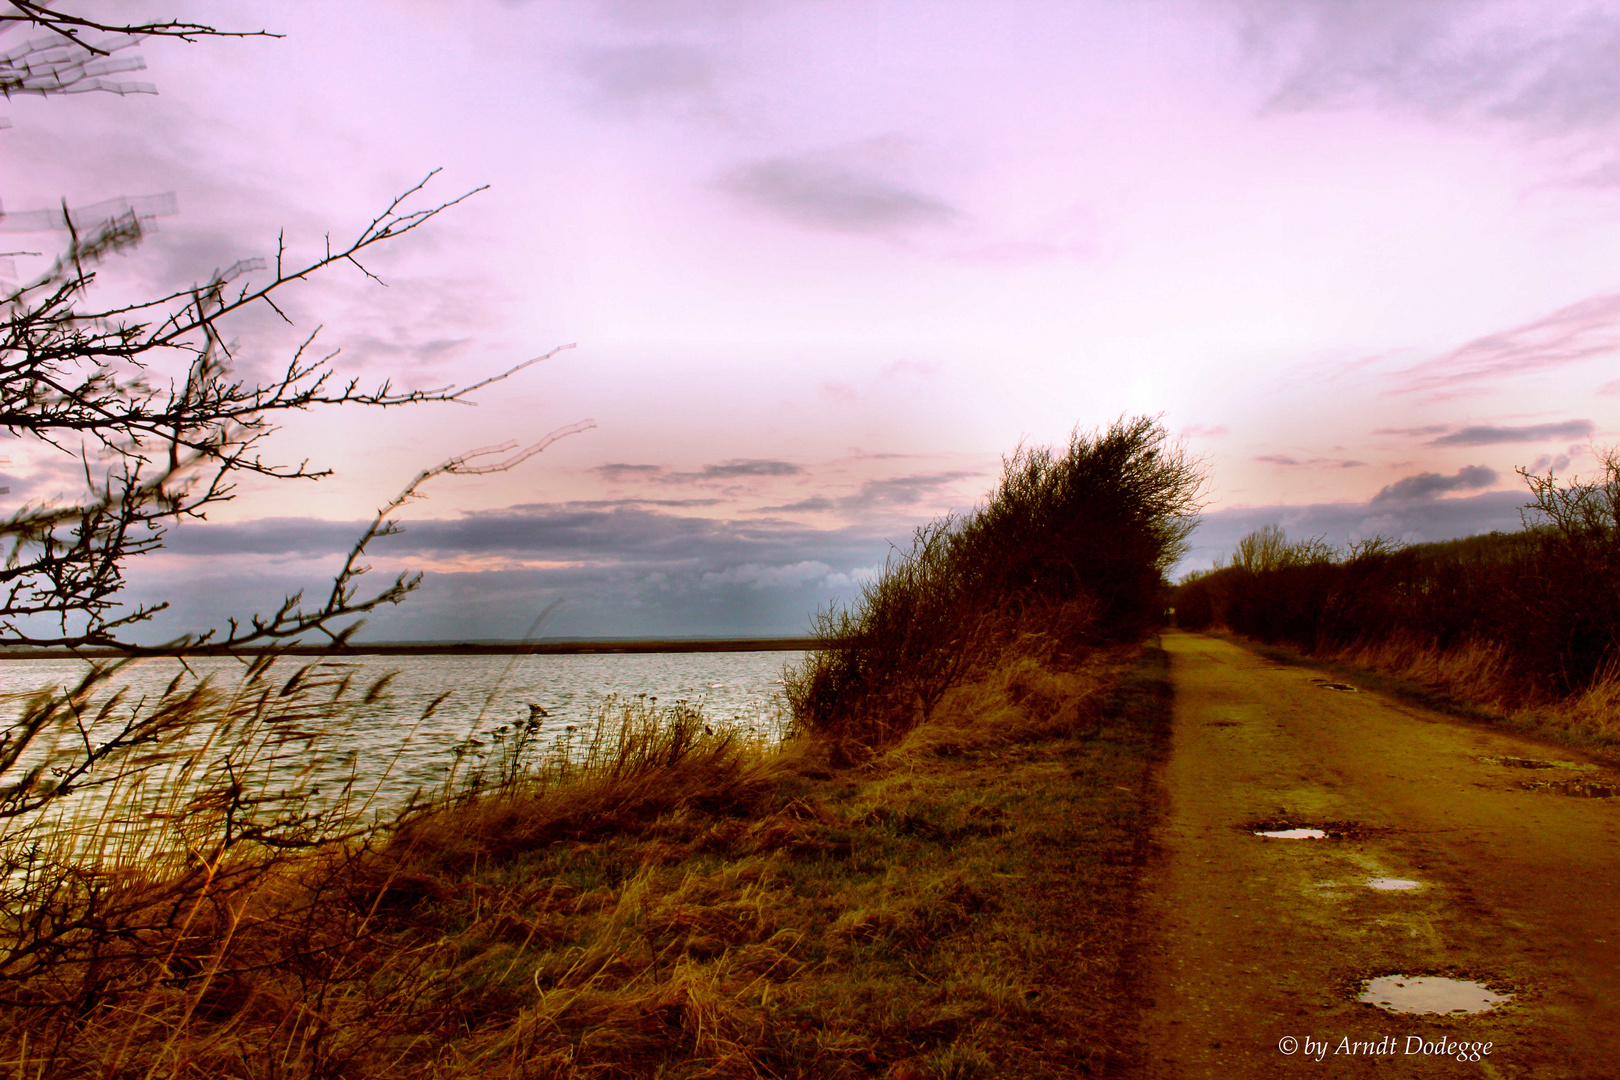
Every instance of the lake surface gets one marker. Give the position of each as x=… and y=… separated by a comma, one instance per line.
x=395, y=751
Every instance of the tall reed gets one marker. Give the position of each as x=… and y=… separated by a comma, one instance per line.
x=179, y=896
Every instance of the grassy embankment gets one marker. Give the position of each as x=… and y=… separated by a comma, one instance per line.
x=930, y=877
x=1520, y=627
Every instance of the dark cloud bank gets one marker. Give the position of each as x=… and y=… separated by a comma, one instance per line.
x=640, y=569
x=628, y=569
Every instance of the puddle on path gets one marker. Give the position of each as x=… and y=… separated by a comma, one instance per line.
x=1292, y=828
x=1429, y=994
x=1580, y=789
x=1535, y=763
x=1392, y=884
x=1329, y=684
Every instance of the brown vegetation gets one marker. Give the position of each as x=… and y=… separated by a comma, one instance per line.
x=930, y=876
x=667, y=900
x=1525, y=625
x=1069, y=550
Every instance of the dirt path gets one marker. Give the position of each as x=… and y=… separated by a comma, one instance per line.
x=1268, y=940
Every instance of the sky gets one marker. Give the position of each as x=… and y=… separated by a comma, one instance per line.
x=824, y=263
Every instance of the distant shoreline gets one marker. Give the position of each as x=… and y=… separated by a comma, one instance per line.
x=449, y=648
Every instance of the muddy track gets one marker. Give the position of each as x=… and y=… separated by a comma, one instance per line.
x=1264, y=944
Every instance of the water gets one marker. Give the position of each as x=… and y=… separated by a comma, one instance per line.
x=1292, y=834
x=394, y=751
x=1430, y=994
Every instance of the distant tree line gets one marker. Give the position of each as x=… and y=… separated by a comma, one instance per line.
x=1549, y=595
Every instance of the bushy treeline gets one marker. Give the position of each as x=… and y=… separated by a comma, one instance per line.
x=1548, y=596
x=1070, y=548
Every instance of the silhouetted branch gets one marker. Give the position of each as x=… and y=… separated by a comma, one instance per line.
x=76, y=378
x=144, y=395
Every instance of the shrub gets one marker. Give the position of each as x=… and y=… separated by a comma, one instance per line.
x=1548, y=595
x=1069, y=549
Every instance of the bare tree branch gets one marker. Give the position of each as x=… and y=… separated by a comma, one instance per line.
x=153, y=453
x=72, y=27
x=144, y=395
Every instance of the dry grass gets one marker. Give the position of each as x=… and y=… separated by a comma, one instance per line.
x=658, y=899
x=1480, y=677
x=1476, y=671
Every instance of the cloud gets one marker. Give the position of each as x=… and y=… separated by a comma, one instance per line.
x=1430, y=485
x=624, y=532
x=613, y=504
x=623, y=569
x=1490, y=436
x=895, y=493
x=814, y=504
x=923, y=369
x=1202, y=431
x=1332, y=463
x=618, y=471
x=822, y=192
x=902, y=491
x=1427, y=429
x=746, y=467
x=1581, y=331
x=630, y=77
x=684, y=14
x=1548, y=461
x=736, y=469
x=840, y=392
x=768, y=577
x=370, y=349
x=1545, y=71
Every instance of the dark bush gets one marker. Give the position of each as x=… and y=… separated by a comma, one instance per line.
x=1071, y=547
x=1550, y=594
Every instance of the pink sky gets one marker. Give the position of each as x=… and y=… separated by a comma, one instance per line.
x=826, y=262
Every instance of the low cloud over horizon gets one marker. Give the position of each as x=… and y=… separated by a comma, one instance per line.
x=630, y=570
x=624, y=570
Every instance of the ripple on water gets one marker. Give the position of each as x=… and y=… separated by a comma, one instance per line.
x=1392, y=884
x=1292, y=834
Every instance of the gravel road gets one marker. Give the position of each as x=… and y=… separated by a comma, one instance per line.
x=1263, y=945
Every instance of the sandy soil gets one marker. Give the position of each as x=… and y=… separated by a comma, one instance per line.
x=1264, y=941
